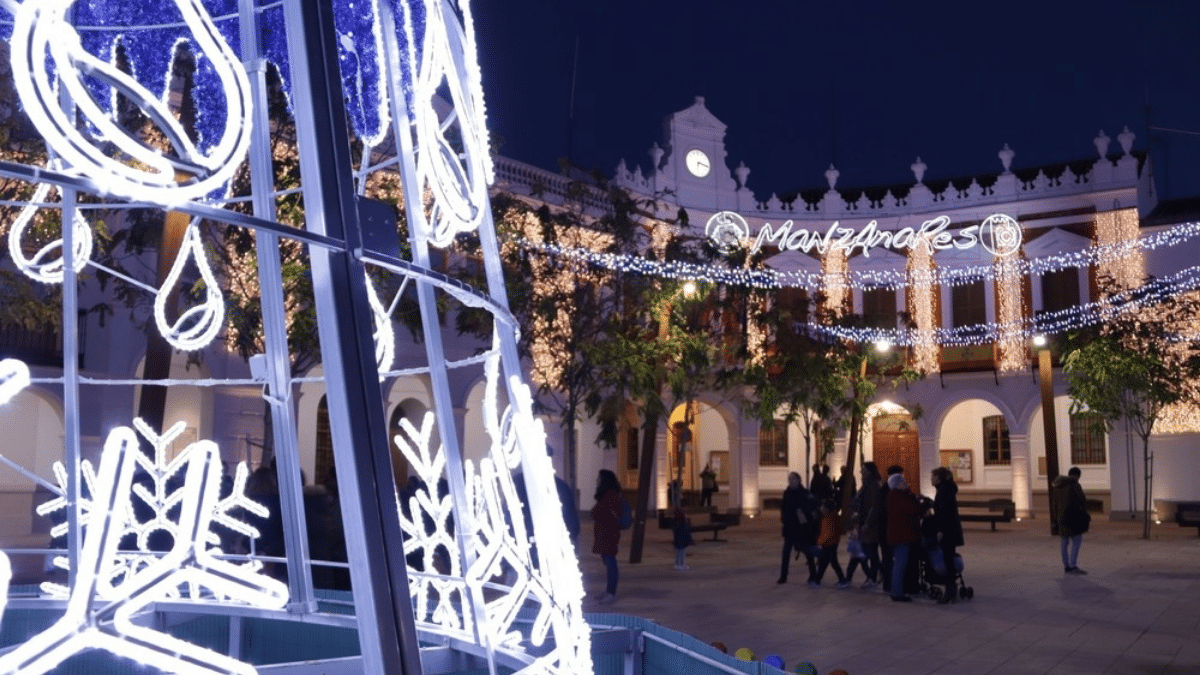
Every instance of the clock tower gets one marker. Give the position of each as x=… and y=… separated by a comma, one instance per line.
x=692, y=165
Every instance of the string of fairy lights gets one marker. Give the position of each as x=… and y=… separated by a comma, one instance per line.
x=892, y=279
x=926, y=276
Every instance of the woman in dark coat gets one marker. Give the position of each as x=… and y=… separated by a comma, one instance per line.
x=606, y=528
x=870, y=509
x=797, y=512
x=949, y=525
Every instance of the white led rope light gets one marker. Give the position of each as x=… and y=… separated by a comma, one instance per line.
x=40, y=29
x=499, y=539
x=385, y=335
x=457, y=181
x=197, y=326
x=42, y=266
x=160, y=495
x=14, y=376
x=1072, y=318
x=111, y=626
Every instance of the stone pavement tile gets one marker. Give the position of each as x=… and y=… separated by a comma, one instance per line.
x=1147, y=665
x=1029, y=664
x=972, y=665
x=1167, y=645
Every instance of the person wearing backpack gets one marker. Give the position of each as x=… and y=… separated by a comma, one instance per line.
x=606, y=528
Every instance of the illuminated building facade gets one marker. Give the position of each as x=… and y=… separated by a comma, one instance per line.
x=980, y=267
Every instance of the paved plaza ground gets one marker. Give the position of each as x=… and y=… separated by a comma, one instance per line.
x=1137, y=611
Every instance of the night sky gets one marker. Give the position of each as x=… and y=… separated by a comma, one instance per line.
x=869, y=85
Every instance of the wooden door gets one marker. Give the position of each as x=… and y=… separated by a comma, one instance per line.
x=895, y=441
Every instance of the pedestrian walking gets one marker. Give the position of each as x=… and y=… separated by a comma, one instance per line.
x=606, y=526
x=682, y=537
x=797, y=512
x=870, y=510
x=828, y=541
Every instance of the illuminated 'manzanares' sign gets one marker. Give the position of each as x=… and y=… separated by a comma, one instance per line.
x=1000, y=234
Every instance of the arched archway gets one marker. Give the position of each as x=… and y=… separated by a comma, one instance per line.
x=413, y=411
x=33, y=423
x=714, y=440
x=976, y=435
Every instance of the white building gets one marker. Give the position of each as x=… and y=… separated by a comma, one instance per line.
x=981, y=403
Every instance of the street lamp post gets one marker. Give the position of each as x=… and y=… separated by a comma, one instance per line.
x=1049, y=428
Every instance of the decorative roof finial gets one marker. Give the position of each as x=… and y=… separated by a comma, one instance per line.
x=918, y=168
x=1006, y=155
x=742, y=172
x=831, y=175
x=1102, y=142
x=1125, y=138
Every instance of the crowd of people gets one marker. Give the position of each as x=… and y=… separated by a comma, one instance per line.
x=886, y=529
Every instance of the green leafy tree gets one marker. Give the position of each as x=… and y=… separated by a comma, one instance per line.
x=795, y=381
x=1139, y=361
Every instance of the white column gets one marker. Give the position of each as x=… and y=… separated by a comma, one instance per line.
x=743, y=479
x=930, y=459
x=1020, y=453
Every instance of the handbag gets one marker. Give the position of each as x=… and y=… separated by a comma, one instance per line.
x=626, y=517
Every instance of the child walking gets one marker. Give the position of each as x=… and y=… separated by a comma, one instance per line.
x=831, y=534
x=683, y=538
x=858, y=558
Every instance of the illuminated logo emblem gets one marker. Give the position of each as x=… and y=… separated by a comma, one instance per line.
x=726, y=230
x=1000, y=235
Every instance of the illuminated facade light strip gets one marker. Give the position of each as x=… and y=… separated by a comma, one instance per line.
x=1066, y=320
x=871, y=278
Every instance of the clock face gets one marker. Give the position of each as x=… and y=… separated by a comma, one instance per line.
x=697, y=163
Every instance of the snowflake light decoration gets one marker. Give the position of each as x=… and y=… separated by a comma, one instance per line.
x=162, y=492
x=497, y=541
x=110, y=625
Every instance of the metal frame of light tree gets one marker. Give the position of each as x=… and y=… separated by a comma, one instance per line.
x=484, y=503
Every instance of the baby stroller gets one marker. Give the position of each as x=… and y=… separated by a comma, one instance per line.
x=935, y=575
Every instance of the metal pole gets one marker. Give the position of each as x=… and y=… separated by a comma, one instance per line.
x=434, y=350
x=270, y=283
x=1049, y=428
x=386, y=630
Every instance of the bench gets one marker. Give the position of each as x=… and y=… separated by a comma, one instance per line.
x=988, y=511
x=717, y=522
x=1187, y=514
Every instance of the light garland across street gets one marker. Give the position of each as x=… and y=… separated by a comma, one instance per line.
x=866, y=278
x=1061, y=321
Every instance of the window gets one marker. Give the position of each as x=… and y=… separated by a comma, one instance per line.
x=996, y=449
x=772, y=444
x=1060, y=289
x=631, y=448
x=968, y=305
x=879, y=307
x=1087, y=439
